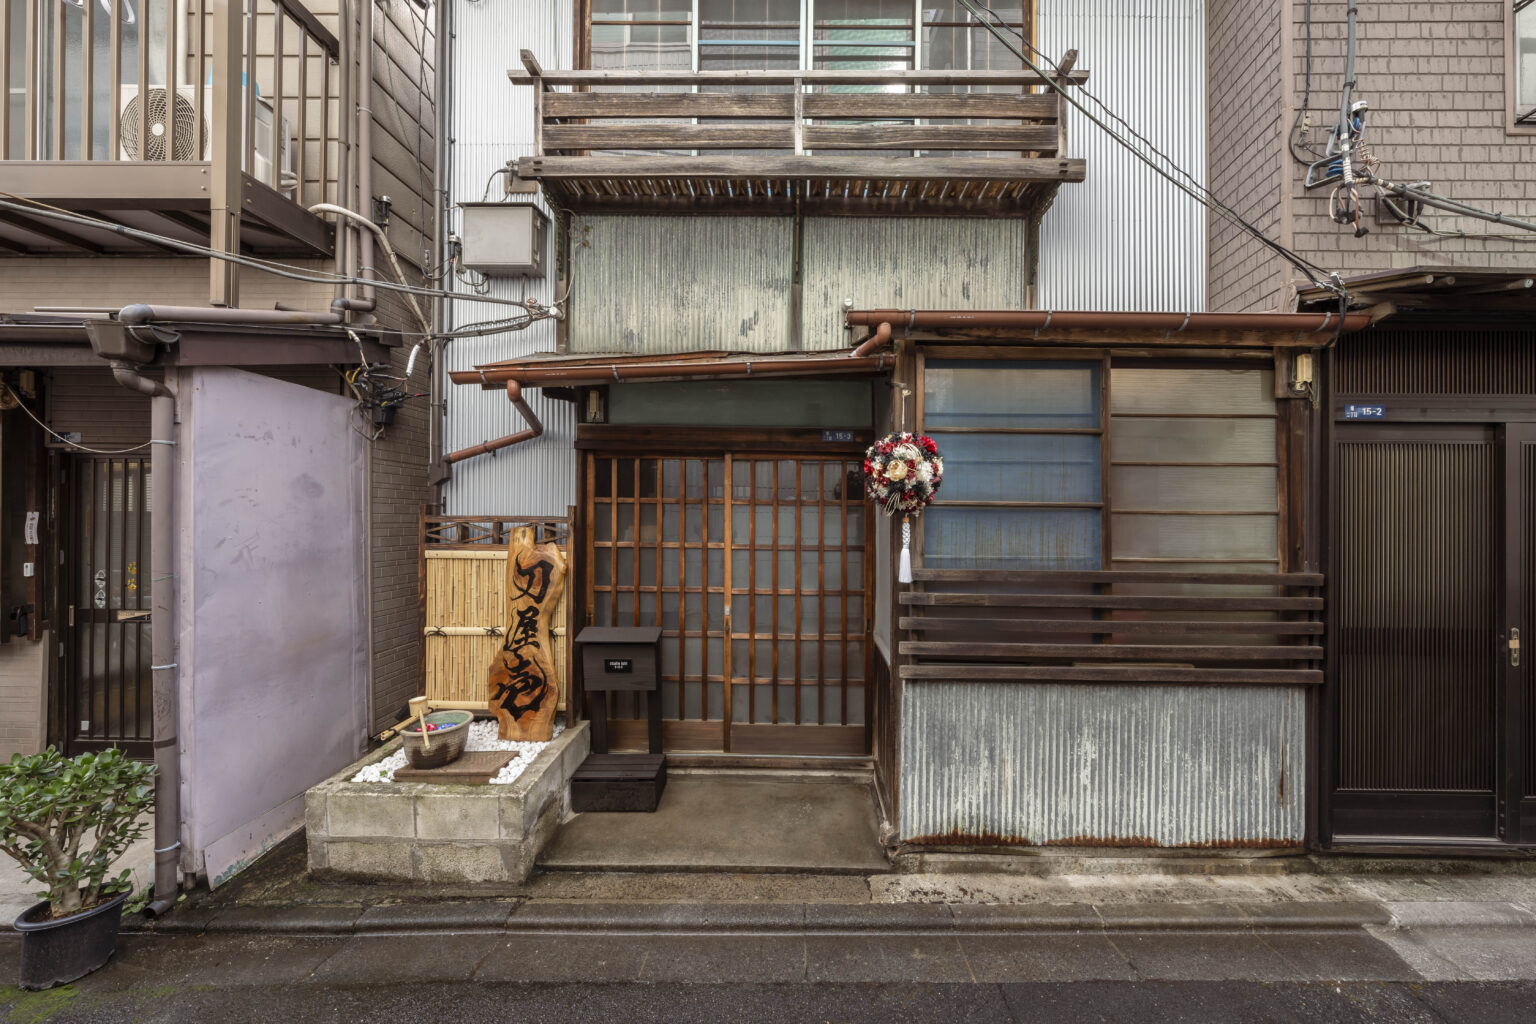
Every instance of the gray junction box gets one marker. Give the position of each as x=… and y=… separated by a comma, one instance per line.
x=503, y=239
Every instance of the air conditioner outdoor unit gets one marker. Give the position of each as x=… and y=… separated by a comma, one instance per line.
x=175, y=125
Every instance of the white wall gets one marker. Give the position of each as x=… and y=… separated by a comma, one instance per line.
x=491, y=123
x=271, y=618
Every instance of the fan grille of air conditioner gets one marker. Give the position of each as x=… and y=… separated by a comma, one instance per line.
x=178, y=125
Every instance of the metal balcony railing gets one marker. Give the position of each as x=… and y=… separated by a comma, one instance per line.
x=208, y=97
x=858, y=139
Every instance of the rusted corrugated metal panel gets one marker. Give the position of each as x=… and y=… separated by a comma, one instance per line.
x=492, y=123
x=1126, y=238
x=681, y=284
x=908, y=263
x=986, y=763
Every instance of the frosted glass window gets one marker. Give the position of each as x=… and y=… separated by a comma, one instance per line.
x=1193, y=467
x=1011, y=538
x=1021, y=467
x=985, y=393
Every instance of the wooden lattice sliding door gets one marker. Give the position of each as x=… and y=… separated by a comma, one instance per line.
x=755, y=568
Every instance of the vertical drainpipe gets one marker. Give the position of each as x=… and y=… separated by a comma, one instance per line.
x=365, y=145
x=344, y=229
x=365, y=250
x=162, y=636
x=436, y=397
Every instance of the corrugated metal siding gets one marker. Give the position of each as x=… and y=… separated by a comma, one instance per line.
x=492, y=123
x=1163, y=765
x=908, y=263
x=106, y=414
x=681, y=284
x=1126, y=238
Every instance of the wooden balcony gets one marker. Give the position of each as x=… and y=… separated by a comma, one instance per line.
x=915, y=142
x=219, y=128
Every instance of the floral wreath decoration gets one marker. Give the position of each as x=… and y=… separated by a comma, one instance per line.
x=902, y=473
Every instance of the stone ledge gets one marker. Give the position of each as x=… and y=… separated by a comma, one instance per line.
x=430, y=833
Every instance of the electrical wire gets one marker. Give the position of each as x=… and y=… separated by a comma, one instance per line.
x=1190, y=187
x=1306, y=98
x=64, y=440
x=30, y=207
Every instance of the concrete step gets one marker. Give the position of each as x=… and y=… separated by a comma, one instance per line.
x=742, y=823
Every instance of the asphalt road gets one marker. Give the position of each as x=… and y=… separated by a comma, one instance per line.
x=1228, y=1002
x=842, y=975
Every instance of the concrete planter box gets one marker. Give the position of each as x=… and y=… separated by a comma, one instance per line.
x=414, y=831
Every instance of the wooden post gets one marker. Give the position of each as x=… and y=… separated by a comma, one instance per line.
x=225, y=187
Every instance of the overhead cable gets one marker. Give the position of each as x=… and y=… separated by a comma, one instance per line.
x=20, y=204
x=1191, y=186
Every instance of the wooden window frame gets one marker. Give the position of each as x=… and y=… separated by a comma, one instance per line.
x=807, y=44
x=1106, y=505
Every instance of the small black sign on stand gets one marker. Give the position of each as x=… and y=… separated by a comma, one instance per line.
x=620, y=658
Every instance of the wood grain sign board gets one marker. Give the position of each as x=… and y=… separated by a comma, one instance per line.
x=465, y=623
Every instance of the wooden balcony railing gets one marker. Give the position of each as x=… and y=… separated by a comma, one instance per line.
x=164, y=104
x=921, y=140
x=1113, y=627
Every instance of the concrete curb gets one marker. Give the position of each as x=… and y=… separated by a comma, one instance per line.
x=498, y=915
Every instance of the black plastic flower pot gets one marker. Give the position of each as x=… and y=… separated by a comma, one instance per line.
x=54, y=952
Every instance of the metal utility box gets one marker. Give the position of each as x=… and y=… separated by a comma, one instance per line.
x=620, y=658
x=503, y=239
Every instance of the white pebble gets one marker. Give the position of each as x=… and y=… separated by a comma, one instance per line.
x=482, y=736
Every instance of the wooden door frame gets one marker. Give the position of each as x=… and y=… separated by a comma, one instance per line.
x=660, y=442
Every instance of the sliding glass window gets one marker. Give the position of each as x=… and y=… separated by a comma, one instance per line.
x=1023, y=464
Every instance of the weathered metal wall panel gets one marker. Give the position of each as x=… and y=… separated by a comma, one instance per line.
x=1147, y=765
x=908, y=263
x=681, y=284
x=492, y=122
x=1126, y=238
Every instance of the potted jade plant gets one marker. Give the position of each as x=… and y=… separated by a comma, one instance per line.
x=66, y=820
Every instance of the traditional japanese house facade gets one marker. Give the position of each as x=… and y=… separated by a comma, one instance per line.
x=1426, y=733
x=210, y=520
x=780, y=230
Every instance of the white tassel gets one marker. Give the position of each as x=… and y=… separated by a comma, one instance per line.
x=904, y=574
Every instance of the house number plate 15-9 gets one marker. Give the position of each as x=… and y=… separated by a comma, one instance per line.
x=619, y=664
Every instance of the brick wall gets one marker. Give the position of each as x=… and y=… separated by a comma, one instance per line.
x=22, y=698
x=1245, y=139
x=397, y=490
x=1434, y=77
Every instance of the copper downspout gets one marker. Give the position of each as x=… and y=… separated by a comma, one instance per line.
x=1039, y=319
x=879, y=338
x=601, y=373
x=535, y=428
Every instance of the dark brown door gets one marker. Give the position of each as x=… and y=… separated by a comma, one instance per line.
x=1431, y=598
x=755, y=568
x=107, y=595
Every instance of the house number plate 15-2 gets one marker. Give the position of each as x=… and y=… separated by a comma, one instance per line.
x=1365, y=412
x=619, y=664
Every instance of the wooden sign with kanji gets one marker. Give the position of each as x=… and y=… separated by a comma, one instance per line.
x=523, y=689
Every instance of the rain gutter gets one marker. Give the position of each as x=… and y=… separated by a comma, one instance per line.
x=606, y=373
x=1167, y=322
